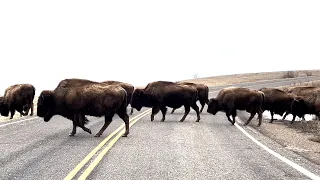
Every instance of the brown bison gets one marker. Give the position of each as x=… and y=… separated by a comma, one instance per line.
x=231, y=99
x=93, y=99
x=203, y=93
x=311, y=97
x=279, y=102
x=128, y=87
x=160, y=94
x=18, y=97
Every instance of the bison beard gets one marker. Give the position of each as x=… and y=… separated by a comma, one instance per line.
x=92, y=99
x=160, y=94
x=231, y=99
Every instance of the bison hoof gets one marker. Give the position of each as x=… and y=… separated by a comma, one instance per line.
x=71, y=134
x=181, y=120
x=162, y=120
x=97, y=135
x=89, y=131
x=125, y=135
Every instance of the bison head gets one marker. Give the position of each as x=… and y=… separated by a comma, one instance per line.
x=4, y=109
x=137, y=99
x=213, y=106
x=45, y=106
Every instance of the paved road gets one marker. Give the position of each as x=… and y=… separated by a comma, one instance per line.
x=209, y=149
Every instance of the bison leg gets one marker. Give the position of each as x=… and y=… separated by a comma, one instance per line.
x=125, y=117
x=155, y=110
x=186, y=112
x=272, y=119
x=173, y=109
x=202, y=105
x=294, y=118
x=234, y=114
x=12, y=112
x=164, y=111
x=260, y=117
x=107, y=121
x=250, y=118
x=196, y=108
x=285, y=115
x=228, y=114
x=74, y=129
x=131, y=112
x=80, y=120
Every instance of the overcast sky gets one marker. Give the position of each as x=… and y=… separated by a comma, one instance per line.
x=43, y=42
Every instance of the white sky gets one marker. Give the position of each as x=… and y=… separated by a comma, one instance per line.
x=43, y=42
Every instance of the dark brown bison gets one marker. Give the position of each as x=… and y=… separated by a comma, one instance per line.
x=311, y=96
x=96, y=99
x=231, y=99
x=203, y=93
x=18, y=97
x=279, y=102
x=128, y=87
x=160, y=94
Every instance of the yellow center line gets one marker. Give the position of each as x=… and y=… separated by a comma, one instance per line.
x=94, y=151
x=91, y=167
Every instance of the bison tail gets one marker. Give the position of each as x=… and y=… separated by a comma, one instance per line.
x=263, y=99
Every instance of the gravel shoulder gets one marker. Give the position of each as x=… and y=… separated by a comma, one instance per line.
x=299, y=137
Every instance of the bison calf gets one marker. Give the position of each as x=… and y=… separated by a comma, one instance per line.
x=231, y=99
x=160, y=94
x=93, y=99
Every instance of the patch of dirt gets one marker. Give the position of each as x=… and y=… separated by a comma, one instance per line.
x=302, y=137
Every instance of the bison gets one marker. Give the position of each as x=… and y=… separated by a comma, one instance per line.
x=279, y=102
x=203, y=93
x=93, y=99
x=160, y=94
x=128, y=87
x=18, y=97
x=311, y=95
x=231, y=99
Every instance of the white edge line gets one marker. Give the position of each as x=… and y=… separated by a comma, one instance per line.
x=292, y=164
x=3, y=125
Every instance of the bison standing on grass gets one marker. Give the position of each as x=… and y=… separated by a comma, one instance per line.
x=279, y=102
x=94, y=99
x=18, y=97
x=311, y=96
x=203, y=93
x=231, y=99
x=128, y=87
x=160, y=94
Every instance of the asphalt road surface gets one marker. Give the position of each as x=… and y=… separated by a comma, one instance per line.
x=209, y=149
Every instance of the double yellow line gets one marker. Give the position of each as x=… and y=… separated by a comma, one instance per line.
x=88, y=171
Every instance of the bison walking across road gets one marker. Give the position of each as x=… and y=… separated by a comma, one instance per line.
x=94, y=99
x=311, y=96
x=18, y=97
x=128, y=87
x=279, y=102
x=203, y=93
x=231, y=99
x=160, y=94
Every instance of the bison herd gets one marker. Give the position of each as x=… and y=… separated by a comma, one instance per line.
x=75, y=98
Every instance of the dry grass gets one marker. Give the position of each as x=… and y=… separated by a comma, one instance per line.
x=250, y=77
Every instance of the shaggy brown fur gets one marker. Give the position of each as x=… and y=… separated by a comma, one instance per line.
x=160, y=94
x=128, y=87
x=278, y=102
x=92, y=99
x=311, y=96
x=231, y=99
x=203, y=93
x=18, y=97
